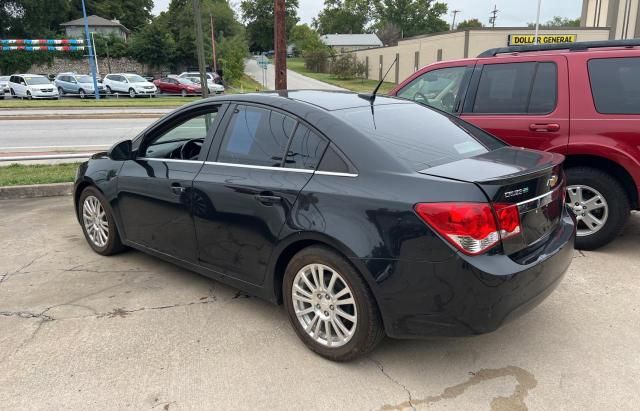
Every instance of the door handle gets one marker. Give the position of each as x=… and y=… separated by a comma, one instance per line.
x=177, y=189
x=268, y=198
x=544, y=127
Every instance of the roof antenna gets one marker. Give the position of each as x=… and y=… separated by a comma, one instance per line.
x=372, y=97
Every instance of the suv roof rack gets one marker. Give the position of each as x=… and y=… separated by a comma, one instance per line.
x=578, y=46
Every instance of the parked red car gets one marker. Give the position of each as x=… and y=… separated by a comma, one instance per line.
x=581, y=100
x=177, y=86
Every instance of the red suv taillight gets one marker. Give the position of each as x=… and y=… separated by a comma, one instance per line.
x=473, y=228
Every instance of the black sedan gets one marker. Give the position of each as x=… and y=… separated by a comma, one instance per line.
x=362, y=217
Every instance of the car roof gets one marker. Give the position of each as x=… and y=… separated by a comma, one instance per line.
x=328, y=100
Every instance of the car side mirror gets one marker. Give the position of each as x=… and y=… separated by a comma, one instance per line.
x=121, y=151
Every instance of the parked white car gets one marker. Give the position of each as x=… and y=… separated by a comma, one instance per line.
x=4, y=86
x=214, y=81
x=131, y=84
x=32, y=86
x=214, y=88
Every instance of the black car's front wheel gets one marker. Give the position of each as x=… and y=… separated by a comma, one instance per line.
x=97, y=223
x=330, y=306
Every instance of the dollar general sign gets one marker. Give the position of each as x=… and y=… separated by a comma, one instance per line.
x=526, y=39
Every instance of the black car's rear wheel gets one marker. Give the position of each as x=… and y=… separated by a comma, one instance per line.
x=97, y=223
x=330, y=306
x=600, y=205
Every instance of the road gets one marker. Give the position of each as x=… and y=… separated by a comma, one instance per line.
x=47, y=135
x=80, y=331
x=295, y=81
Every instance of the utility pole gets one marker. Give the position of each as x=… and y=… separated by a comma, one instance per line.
x=453, y=24
x=535, y=41
x=280, y=45
x=494, y=13
x=91, y=57
x=213, y=45
x=204, y=85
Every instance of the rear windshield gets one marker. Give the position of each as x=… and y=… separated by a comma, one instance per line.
x=420, y=136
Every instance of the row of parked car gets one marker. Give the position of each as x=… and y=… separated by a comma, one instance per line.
x=32, y=86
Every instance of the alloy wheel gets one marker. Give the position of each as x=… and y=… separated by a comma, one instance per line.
x=95, y=221
x=325, y=305
x=132, y=93
x=590, y=208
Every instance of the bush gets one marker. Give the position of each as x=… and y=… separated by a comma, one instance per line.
x=315, y=59
x=347, y=66
x=231, y=53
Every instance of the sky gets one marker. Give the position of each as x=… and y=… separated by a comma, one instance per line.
x=512, y=13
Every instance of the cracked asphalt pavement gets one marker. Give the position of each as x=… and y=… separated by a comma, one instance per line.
x=79, y=331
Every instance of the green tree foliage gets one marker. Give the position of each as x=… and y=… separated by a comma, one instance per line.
x=558, y=21
x=303, y=37
x=153, y=46
x=347, y=66
x=133, y=14
x=231, y=54
x=412, y=17
x=258, y=16
x=469, y=24
x=33, y=18
x=111, y=46
x=343, y=16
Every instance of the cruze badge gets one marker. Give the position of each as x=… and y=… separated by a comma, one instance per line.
x=515, y=193
x=553, y=180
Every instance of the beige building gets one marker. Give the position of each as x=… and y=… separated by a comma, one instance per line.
x=98, y=25
x=416, y=52
x=620, y=15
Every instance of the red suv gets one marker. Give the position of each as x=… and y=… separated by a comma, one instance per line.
x=581, y=100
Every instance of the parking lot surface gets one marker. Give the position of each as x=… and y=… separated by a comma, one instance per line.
x=80, y=331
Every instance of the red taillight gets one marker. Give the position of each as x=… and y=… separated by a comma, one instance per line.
x=471, y=227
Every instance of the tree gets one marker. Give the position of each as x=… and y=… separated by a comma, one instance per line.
x=558, y=21
x=111, y=45
x=258, y=18
x=343, y=16
x=153, y=45
x=231, y=54
x=133, y=14
x=302, y=36
x=33, y=18
x=469, y=24
x=412, y=17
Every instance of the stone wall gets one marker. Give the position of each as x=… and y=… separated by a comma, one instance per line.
x=112, y=65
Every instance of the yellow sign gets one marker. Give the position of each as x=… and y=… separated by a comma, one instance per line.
x=526, y=39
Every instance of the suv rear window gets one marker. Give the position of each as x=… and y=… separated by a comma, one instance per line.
x=615, y=86
x=420, y=136
x=517, y=88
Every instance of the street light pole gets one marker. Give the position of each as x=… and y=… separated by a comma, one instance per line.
x=92, y=64
x=204, y=85
x=535, y=41
x=453, y=23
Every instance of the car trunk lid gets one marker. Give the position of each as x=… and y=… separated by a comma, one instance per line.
x=530, y=180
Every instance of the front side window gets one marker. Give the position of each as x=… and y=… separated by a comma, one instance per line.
x=438, y=88
x=615, y=86
x=517, y=88
x=182, y=141
x=256, y=136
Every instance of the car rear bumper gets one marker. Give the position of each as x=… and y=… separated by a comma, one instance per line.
x=473, y=295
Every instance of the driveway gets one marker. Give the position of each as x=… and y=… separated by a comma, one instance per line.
x=79, y=331
x=295, y=81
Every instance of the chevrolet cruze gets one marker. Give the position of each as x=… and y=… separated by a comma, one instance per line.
x=363, y=216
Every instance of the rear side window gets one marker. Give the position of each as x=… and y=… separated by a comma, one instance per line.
x=256, y=136
x=305, y=150
x=615, y=85
x=419, y=136
x=517, y=88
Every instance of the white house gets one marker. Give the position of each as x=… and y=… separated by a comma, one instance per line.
x=98, y=25
x=351, y=42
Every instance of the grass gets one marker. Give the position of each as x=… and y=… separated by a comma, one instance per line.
x=245, y=84
x=19, y=174
x=358, y=85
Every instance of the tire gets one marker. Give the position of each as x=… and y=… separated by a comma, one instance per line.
x=132, y=93
x=13, y=93
x=113, y=243
x=29, y=96
x=183, y=93
x=366, y=330
x=108, y=90
x=83, y=95
x=61, y=91
x=613, y=208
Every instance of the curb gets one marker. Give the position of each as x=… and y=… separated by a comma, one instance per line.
x=35, y=191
